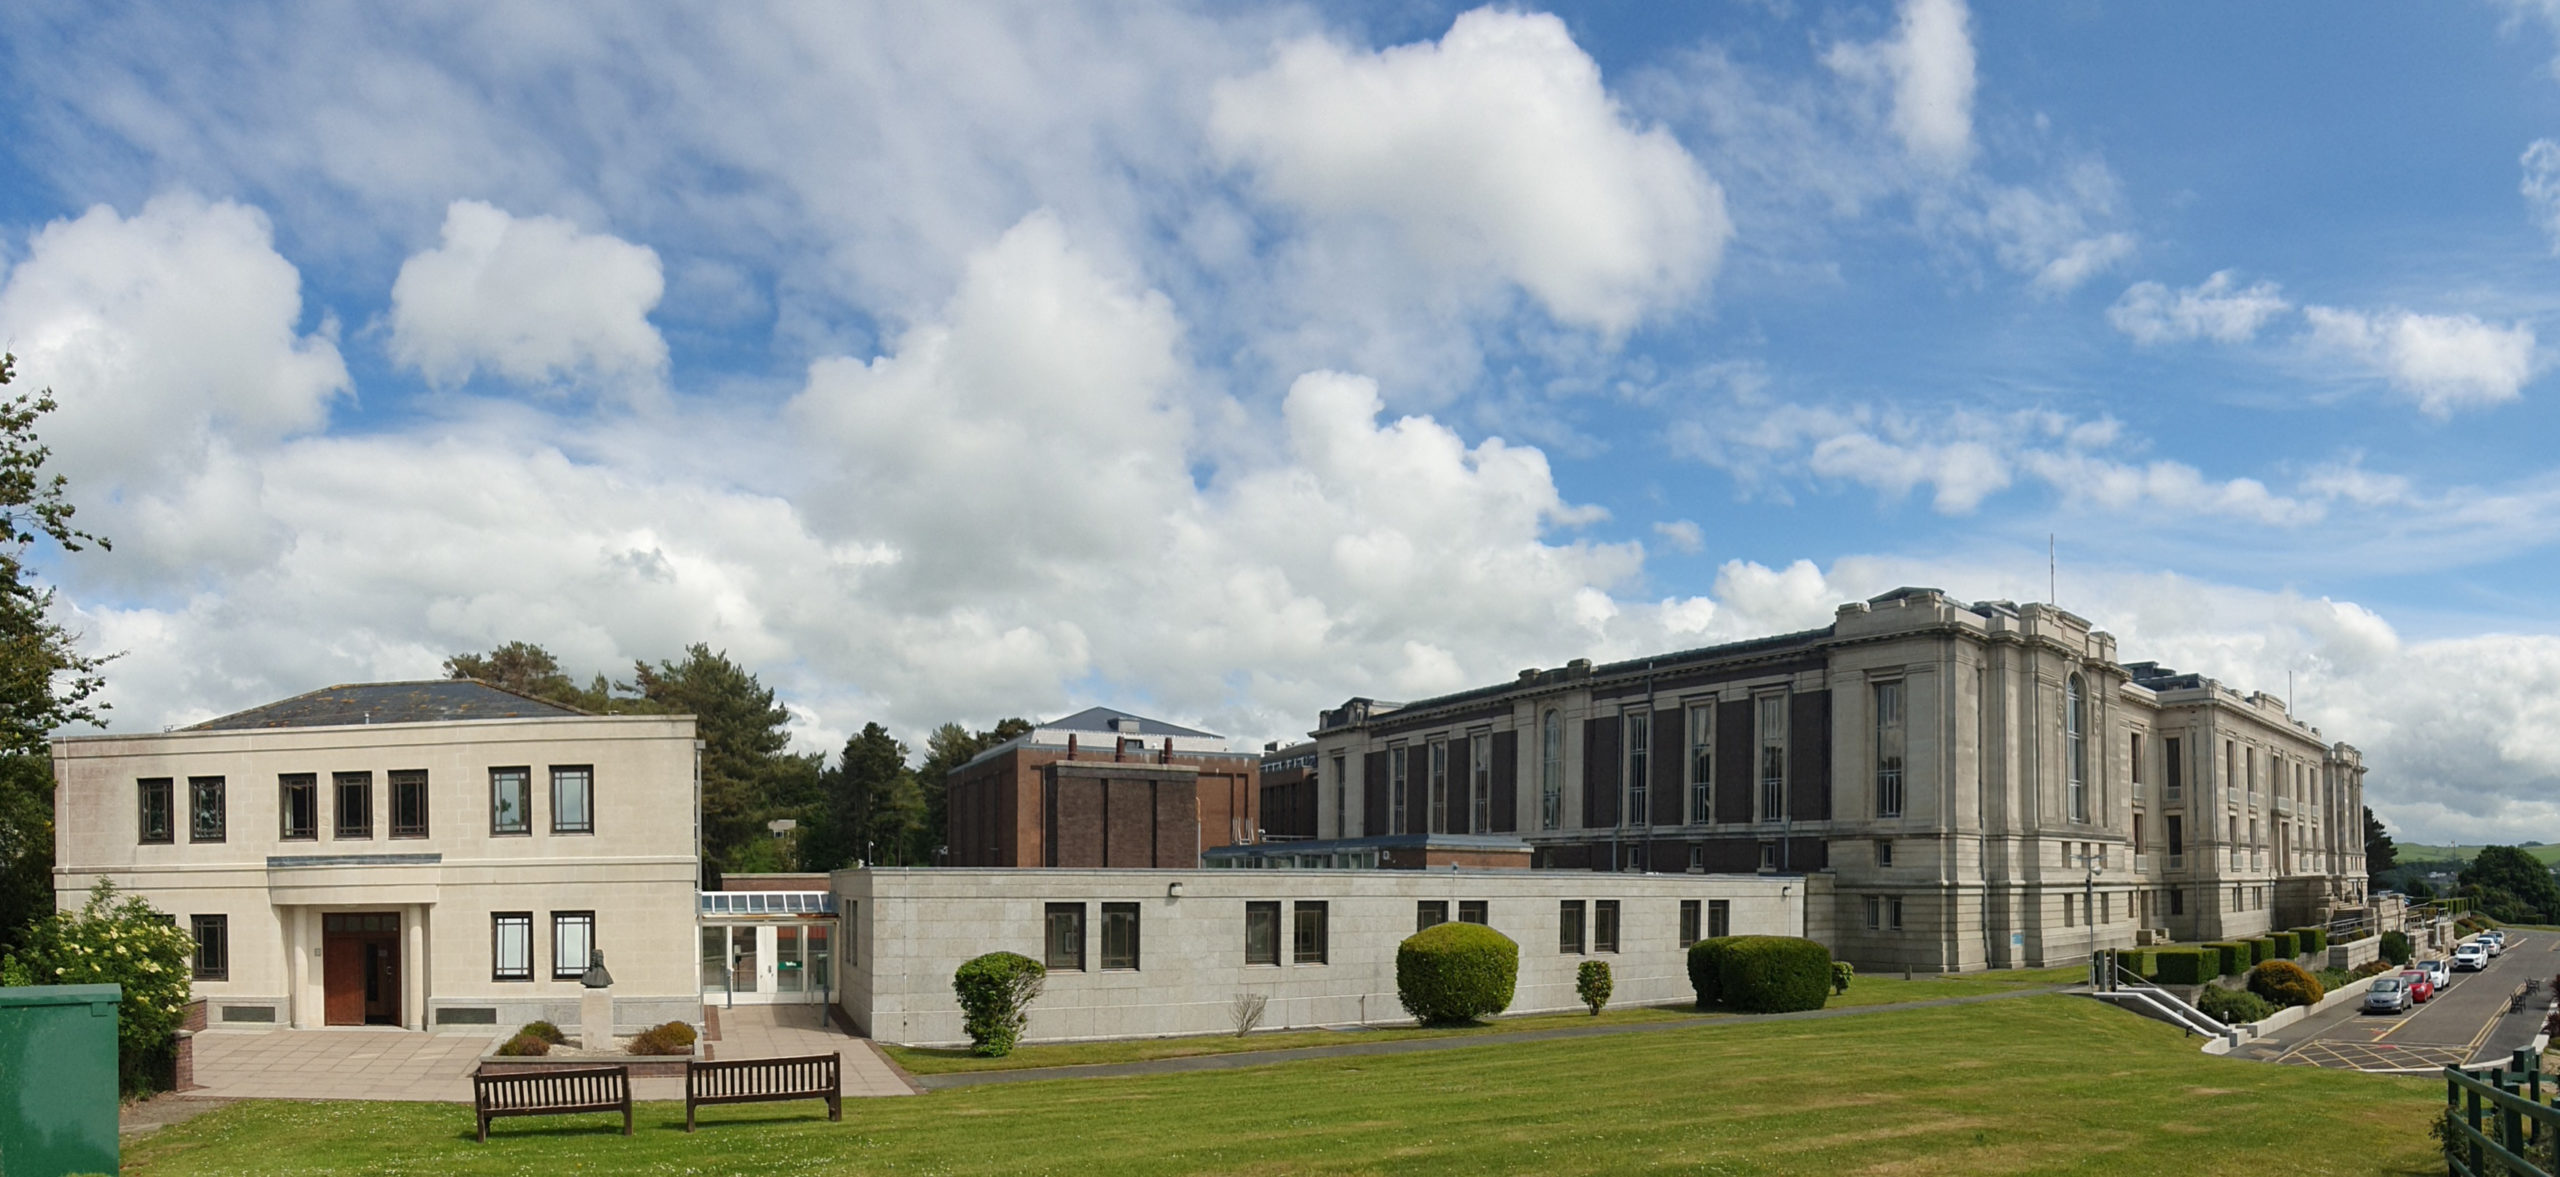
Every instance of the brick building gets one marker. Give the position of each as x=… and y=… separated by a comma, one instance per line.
x=1102, y=788
x=1288, y=791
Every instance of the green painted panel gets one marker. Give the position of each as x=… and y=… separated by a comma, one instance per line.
x=58, y=1080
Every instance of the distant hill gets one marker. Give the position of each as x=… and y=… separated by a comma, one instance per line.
x=2412, y=853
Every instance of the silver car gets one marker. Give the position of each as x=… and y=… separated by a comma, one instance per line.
x=2388, y=996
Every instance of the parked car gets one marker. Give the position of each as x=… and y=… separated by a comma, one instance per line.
x=2438, y=969
x=2495, y=942
x=2470, y=958
x=2388, y=996
x=2421, y=985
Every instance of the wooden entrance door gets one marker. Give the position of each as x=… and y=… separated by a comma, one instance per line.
x=360, y=968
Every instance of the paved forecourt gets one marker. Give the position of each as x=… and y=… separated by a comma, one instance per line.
x=2467, y=1023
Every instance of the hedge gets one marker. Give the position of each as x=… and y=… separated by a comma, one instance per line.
x=2231, y=958
x=2288, y=945
x=2185, y=966
x=995, y=992
x=1774, y=974
x=1706, y=969
x=2261, y=950
x=1456, y=972
x=2313, y=939
x=2232, y=1007
x=2396, y=947
x=2136, y=961
x=2283, y=983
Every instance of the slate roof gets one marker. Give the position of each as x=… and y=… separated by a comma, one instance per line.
x=348, y=704
x=1098, y=719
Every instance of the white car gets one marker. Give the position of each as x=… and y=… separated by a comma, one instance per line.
x=2496, y=942
x=2470, y=958
x=2442, y=972
x=2388, y=996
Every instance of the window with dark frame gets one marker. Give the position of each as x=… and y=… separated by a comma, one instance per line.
x=1429, y=912
x=156, y=799
x=1604, y=925
x=409, y=803
x=1119, y=935
x=1875, y=913
x=1895, y=912
x=206, y=819
x=1480, y=783
x=1888, y=748
x=510, y=801
x=1474, y=911
x=1065, y=936
x=213, y=946
x=1688, y=922
x=1438, y=761
x=1395, y=788
x=510, y=946
x=1702, y=763
x=1262, y=932
x=355, y=804
x=298, y=806
x=1637, y=767
x=573, y=798
x=1310, y=939
x=1719, y=918
x=1773, y=757
x=2174, y=765
x=573, y=936
x=1884, y=852
x=1569, y=926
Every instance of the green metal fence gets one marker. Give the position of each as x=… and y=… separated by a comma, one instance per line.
x=2499, y=1121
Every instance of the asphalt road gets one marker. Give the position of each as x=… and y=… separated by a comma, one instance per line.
x=2467, y=1024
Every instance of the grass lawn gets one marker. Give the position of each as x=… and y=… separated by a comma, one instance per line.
x=2042, y=1084
x=1878, y=989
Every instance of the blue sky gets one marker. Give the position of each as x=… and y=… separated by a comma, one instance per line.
x=1225, y=362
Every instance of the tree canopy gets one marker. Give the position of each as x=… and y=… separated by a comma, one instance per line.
x=528, y=669
x=2512, y=886
x=2379, y=854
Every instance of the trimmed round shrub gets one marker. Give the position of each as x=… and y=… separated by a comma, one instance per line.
x=1591, y=983
x=1454, y=973
x=2185, y=966
x=667, y=1038
x=2396, y=948
x=2283, y=984
x=524, y=1044
x=2288, y=945
x=1706, y=969
x=1842, y=972
x=1774, y=974
x=546, y=1032
x=2232, y=1007
x=995, y=992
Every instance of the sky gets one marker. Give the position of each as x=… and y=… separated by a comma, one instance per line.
x=1222, y=362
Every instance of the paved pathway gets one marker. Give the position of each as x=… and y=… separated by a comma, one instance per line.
x=370, y=1063
x=1264, y=1058
x=2468, y=1024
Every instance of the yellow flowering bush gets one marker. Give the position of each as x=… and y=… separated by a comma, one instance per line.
x=111, y=942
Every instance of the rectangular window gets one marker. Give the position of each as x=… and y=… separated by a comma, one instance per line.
x=2067, y=920
x=1896, y=912
x=1395, y=789
x=1768, y=856
x=1884, y=852
x=2177, y=901
x=1719, y=918
x=1875, y=913
x=511, y=801
x=1439, y=786
x=1638, y=767
x=1551, y=770
x=1702, y=762
x=1773, y=757
x=1311, y=941
x=213, y=946
x=206, y=820
x=573, y=799
x=1888, y=749
x=355, y=803
x=1480, y=781
x=2174, y=777
x=1429, y=912
x=1697, y=858
x=1341, y=807
x=2133, y=760
x=1066, y=936
x=1262, y=933
x=1688, y=922
x=573, y=936
x=1119, y=935
x=1569, y=926
x=511, y=946
x=155, y=803
x=1472, y=911
x=1604, y=925
x=2137, y=833
x=409, y=804
x=298, y=806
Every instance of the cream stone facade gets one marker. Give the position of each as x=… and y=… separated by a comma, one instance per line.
x=1138, y=953
x=1985, y=783
x=447, y=872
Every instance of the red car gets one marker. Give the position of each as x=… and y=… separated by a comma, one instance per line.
x=2421, y=983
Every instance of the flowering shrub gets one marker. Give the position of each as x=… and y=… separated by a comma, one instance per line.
x=125, y=943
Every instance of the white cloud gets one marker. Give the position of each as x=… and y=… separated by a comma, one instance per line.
x=2056, y=236
x=2218, y=308
x=530, y=298
x=2541, y=187
x=1928, y=65
x=2445, y=362
x=1963, y=472
x=1683, y=536
x=1495, y=149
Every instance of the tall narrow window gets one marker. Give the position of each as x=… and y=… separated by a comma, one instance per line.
x=1569, y=926
x=2133, y=760
x=1551, y=771
x=206, y=818
x=298, y=806
x=1341, y=790
x=1065, y=936
x=1604, y=925
x=1702, y=762
x=1638, y=766
x=1688, y=922
x=2075, y=706
x=1480, y=782
x=1310, y=942
x=154, y=798
x=573, y=799
x=1894, y=913
x=1773, y=757
x=1439, y=761
x=409, y=805
x=354, y=795
x=1262, y=933
x=1430, y=912
x=2174, y=774
x=573, y=936
x=1719, y=918
x=1473, y=911
x=511, y=801
x=2177, y=836
x=511, y=946
x=213, y=946
x=1888, y=749
x=1395, y=788
x=1119, y=935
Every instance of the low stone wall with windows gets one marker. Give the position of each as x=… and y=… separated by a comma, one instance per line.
x=1145, y=953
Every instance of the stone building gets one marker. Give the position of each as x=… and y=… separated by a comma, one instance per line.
x=1986, y=784
x=1102, y=788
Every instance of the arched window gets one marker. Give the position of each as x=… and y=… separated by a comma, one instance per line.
x=2075, y=740
x=1551, y=771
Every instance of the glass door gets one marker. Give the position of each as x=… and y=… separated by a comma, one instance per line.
x=789, y=975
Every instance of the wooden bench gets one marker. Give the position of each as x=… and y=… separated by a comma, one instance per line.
x=552, y=1093
x=760, y=1080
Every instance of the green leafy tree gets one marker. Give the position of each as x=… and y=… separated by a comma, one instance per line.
x=2379, y=853
x=872, y=804
x=2511, y=885
x=125, y=943
x=749, y=775
x=528, y=669
x=26, y=843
